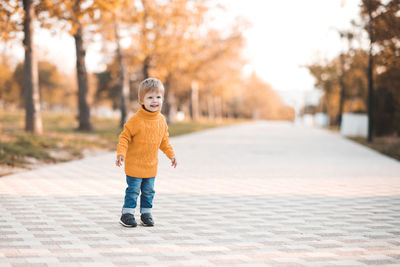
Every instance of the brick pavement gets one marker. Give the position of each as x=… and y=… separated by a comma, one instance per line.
x=254, y=194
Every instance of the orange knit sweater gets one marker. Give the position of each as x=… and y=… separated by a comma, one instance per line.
x=144, y=133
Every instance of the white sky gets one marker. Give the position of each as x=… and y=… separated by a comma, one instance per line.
x=284, y=36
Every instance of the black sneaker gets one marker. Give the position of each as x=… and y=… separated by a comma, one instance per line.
x=128, y=220
x=146, y=219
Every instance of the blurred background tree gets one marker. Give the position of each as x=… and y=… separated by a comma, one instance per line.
x=327, y=78
x=54, y=86
x=77, y=17
x=10, y=94
x=16, y=17
x=200, y=65
x=385, y=72
x=386, y=39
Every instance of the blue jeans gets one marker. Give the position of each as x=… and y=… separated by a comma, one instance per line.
x=135, y=186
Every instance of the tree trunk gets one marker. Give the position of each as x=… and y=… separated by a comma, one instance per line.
x=342, y=90
x=370, y=79
x=195, y=101
x=124, y=97
x=218, y=108
x=167, y=98
x=146, y=67
x=211, y=107
x=33, y=120
x=124, y=79
x=84, y=109
x=144, y=39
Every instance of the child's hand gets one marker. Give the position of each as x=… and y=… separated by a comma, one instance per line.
x=119, y=161
x=174, y=162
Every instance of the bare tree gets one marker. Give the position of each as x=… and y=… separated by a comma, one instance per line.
x=124, y=78
x=83, y=88
x=33, y=121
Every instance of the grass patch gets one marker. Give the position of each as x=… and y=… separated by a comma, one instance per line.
x=14, y=153
x=389, y=146
x=60, y=141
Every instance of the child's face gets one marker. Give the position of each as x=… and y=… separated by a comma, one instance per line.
x=153, y=101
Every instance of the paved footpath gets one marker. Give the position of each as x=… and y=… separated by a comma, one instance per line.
x=254, y=194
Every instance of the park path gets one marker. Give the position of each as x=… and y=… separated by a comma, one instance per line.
x=253, y=194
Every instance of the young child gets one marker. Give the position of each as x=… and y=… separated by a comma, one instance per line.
x=138, y=145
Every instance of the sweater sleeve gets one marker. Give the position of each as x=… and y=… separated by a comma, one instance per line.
x=165, y=144
x=125, y=138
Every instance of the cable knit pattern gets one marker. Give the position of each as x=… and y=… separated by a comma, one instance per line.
x=144, y=133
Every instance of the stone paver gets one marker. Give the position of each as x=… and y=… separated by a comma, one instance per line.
x=255, y=194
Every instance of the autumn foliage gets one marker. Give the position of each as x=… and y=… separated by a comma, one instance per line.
x=175, y=41
x=349, y=70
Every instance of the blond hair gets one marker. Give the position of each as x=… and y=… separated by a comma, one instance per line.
x=150, y=85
